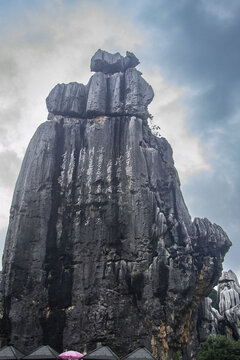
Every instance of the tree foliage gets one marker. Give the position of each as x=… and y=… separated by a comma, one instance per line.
x=219, y=348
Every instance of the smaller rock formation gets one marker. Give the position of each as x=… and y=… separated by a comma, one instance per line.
x=229, y=302
x=210, y=320
x=116, y=88
x=67, y=99
x=112, y=63
x=226, y=321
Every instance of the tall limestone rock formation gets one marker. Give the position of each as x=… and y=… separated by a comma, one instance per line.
x=100, y=245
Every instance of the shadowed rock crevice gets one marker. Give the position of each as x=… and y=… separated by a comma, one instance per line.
x=58, y=260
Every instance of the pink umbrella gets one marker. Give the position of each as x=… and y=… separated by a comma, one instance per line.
x=73, y=355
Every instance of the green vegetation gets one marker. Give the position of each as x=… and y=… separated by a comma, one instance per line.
x=177, y=355
x=150, y=116
x=219, y=348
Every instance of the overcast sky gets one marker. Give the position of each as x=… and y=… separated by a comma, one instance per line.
x=189, y=52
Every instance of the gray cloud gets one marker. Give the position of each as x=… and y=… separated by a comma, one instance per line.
x=198, y=50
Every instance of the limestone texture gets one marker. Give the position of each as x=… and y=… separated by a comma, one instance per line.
x=67, y=99
x=229, y=302
x=112, y=63
x=116, y=88
x=100, y=244
x=226, y=319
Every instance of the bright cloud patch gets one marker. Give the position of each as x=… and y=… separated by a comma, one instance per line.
x=170, y=114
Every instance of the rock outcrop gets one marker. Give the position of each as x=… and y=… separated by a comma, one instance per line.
x=210, y=320
x=117, y=88
x=226, y=319
x=100, y=245
x=112, y=63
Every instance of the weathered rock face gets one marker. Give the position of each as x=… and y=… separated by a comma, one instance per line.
x=117, y=88
x=210, y=320
x=228, y=291
x=225, y=320
x=100, y=245
x=112, y=63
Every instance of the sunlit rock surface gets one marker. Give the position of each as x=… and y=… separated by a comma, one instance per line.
x=100, y=245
